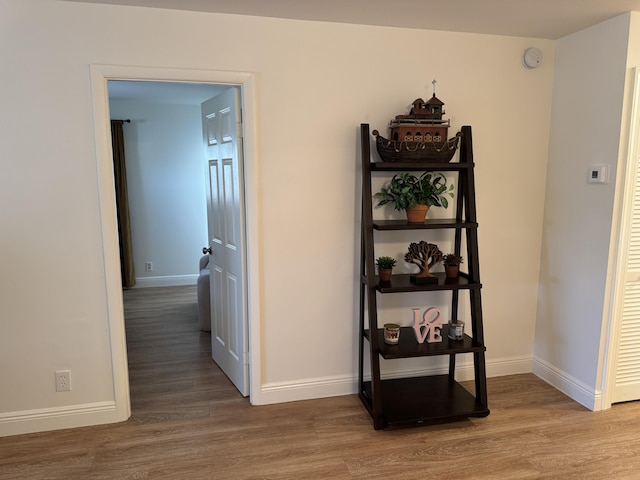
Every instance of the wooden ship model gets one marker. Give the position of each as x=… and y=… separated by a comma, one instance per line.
x=421, y=136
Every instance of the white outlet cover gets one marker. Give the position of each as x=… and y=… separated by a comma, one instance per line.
x=63, y=381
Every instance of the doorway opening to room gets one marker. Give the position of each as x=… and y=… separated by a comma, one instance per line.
x=163, y=195
x=102, y=76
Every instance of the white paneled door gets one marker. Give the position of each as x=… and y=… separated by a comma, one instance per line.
x=222, y=129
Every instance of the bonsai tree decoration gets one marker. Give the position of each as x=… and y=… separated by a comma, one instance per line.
x=416, y=194
x=452, y=264
x=385, y=267
x=425, y=255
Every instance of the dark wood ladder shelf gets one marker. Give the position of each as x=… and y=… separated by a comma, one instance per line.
x=428, y=399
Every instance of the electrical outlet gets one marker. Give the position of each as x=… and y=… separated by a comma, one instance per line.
x=63, y=380
x=148, y=266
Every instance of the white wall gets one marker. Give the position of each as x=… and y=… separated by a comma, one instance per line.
x=315, y=83
x=588, y=101
x=167, y=194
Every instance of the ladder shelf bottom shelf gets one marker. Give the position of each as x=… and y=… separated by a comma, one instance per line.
x=408, y=402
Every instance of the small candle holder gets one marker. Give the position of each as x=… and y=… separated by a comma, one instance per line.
x=391, y=333
x=456, y=330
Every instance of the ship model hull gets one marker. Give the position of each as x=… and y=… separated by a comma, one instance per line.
x=420, y=136
x=407, y=151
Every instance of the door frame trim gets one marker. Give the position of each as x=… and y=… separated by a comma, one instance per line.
x=619, y=243
x=100, y=75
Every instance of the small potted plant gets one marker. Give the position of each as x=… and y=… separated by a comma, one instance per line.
x=452, y=264
x=416, y=194
x=385, y=266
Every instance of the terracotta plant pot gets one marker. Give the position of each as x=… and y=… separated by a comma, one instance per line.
x=385, y=274
x=452, y=271
x=417, y=214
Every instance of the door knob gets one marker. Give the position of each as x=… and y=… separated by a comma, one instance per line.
x=206, y=250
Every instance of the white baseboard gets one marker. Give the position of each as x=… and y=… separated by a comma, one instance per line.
x=306, y=389
x=507, y=366
x=166, y=281
x=567, y=384
x=58, y=418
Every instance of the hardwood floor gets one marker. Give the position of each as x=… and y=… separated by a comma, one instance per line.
x=188, y=422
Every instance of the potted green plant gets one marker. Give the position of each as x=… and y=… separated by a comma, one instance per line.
x=416, y=194
x=452, y=264
x=385, y=267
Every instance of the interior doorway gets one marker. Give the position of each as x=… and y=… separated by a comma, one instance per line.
x=100, y=75
x=168, y=196
x=165, y=176
x=162, y=191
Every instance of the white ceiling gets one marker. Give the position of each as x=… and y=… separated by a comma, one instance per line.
x=550, y=19
x=163, y=92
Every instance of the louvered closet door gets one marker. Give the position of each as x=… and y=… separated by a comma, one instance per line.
x=627, y=376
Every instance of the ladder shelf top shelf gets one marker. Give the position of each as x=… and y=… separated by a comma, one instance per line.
x=418, y=166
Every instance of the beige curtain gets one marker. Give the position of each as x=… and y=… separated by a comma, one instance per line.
x=122, y=204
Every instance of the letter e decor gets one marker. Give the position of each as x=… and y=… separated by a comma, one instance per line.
x=427, y=328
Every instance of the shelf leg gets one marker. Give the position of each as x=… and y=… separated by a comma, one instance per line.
x=481, y=378
x=452, y=366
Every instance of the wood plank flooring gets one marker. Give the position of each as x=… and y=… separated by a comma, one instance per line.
x=189, y=422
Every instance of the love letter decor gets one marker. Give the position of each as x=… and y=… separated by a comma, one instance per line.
x=429, y=326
